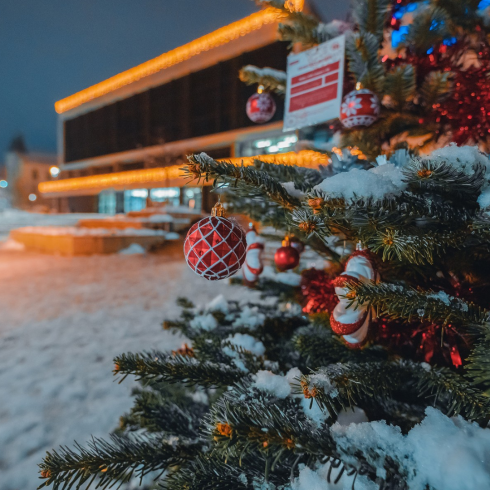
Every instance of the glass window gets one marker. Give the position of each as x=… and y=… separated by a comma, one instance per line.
x=135, y=200
x=170, y=195
x=193, y=197
x=107, y=203
x=273, y=144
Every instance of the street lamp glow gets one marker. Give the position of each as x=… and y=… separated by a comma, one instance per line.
x=54, y=171
x=3, y=184
x=32, y=197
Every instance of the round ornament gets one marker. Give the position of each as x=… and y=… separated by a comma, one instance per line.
x=359, y=108
x=261, y=107
x=286, y=257
x=214, y=247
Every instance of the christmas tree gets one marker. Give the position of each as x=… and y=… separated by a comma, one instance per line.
x=377, y=377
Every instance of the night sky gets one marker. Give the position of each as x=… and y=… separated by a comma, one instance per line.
x=50, y=49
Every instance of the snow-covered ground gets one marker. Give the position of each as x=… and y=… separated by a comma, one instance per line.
x=13, y=218
x=62, y=320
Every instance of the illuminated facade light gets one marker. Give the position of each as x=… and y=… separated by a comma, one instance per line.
x=54, y=172
x=294, y=5
x=178, y=55
x=149, y=177
x=32, y=197
x=3, y=184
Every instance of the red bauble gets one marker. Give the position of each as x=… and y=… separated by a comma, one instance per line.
x=286, y=258
x=261, y=107
x=215, y=247
x=359, y=108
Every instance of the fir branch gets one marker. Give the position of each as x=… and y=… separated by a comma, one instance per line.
x=451, y=391
x=364, y=64
x=207, y=473
x=371, y=15
x=429, y=27
x=271, y=79
x=478, y=367
x=116, y=462
x=153, y=412
x=248, y=178
x=396, y=301
x=436, y=87
x=444, y=179
x=400, y=86
x=178, y=369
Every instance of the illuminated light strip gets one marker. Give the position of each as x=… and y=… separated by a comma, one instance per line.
x=205, y=43
x=294, y=5
x=305, y=158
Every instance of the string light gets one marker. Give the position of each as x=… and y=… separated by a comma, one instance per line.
x=294, y=5
x=178, y=55
x=304, y=158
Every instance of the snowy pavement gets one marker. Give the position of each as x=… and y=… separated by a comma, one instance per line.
x=62, y=321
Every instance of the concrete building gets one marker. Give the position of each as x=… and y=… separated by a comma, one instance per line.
x=124, y=139
x=23, y=173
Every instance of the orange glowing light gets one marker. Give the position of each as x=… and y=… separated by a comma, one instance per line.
x=149, y=176
x=205, y=43
x=294, y=5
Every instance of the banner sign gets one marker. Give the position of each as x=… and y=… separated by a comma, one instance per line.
x=314, y=85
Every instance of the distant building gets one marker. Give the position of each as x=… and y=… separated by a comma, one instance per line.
x=124, y=139
x=23, y=173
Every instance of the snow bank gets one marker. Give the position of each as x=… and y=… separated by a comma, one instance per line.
x=133, y=249
x=63, y=321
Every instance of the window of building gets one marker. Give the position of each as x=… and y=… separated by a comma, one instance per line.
x=135, y=200
x=170, y=195
x=209, y=101
x=192, y=197
x=107, y=203
x=267, y=145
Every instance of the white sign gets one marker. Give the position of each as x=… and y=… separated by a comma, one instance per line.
x=314, y=85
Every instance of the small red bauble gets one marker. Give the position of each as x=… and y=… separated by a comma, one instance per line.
x=261, y=107
x=359, y=108
x=286, y=257
x=215, y=247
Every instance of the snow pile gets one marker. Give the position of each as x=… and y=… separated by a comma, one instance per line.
x=279, y=75
x=443, y=453
x=133, y=249
x=204, y=322
x=463, y=158
x=218, y=304
x=250, y=317
x=375, y=183
x=247, y=342
x=289, y=277
x=447, y=454
x=272, y=383
x=74, y=231
x=292, y=191
x=63, y=321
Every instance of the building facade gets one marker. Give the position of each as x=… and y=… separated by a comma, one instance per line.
x=124, y=140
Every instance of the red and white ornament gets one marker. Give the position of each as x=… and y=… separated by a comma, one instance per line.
x=261, y=107
x=350, y=319
x=214, y=247
x=359, y=108
x=286, y=257
x=253, y=266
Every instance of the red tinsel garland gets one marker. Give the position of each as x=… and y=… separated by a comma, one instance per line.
x=318, y=291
